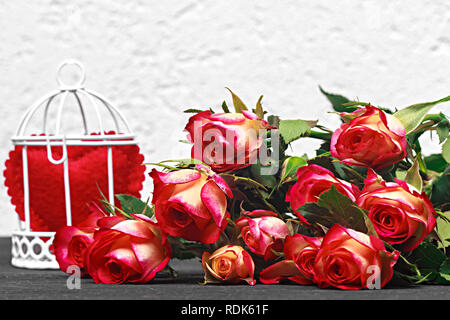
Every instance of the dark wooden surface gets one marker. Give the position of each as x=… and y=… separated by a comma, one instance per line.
x=51, y=284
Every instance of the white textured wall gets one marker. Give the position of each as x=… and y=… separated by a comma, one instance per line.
x=156, y=58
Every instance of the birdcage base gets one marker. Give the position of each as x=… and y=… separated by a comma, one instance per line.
x=31, y=250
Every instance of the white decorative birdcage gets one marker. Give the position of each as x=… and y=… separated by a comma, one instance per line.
x=32, y=249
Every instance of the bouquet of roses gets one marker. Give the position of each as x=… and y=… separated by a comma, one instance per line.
x=368, y=209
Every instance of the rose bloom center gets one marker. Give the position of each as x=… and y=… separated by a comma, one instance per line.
x=180, y=218
x=222, y=266
x=305, y=260
x=77, y=249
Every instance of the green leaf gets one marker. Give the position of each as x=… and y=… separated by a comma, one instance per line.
x=324, y=160
x=444, y=272
x=355, y=103
x=354, y=175
x=289, y=170
x=446, y=150
x=406, y=270
x=225, y=107
x=340, y=170
x=237, y=102
x=332, y=208
x=443, y=230
x=132, y=205
x=290, y=167
x=440, y=192
x=443, y=130
x=435, y=162
x=338, y=101
x=428, y=257
x=401, y=174
x=259, y=110
x=193, y=110
x=324, y=148
x=413, y=176
x=274, y=121
x=411, y=117
x=268, y=181
x=291, y=130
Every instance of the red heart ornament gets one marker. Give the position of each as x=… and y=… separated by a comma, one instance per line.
x=88, y=171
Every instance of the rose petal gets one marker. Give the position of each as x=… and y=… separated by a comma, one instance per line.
x=249, y=115
x=223, y=185
x=260, y=213
x=295, y=243
x=109, y=222
x=281, y=270
x=179, y=176
x=197, y=119
x=228, y=118
x=61, y=242
x=134, y=228
x=250, y=265
x=216, y=202
x=124, y=255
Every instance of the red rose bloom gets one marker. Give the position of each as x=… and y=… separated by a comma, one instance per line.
x=352, y=260
x=300, y=254
x=226, y=141
x=71, y=242
x=370, y=139
x=127, y=251
x=191, y=204
x=399, y=213
x=230, y=264
x=263, y=232
x=314, y=180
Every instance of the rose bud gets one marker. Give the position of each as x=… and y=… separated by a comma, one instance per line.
x=191, y=204
x=399, y=214
x=371, y=138
x=71, y=242
x=300, y=253
x=352, y=260
x=226, y=141
x=313, y=180
x=231, y=264
x=263, y=234
x=127, y=251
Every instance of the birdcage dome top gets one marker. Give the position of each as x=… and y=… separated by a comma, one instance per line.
x=73, y=115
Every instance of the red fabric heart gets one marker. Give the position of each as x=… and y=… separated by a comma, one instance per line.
x=87, y=169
